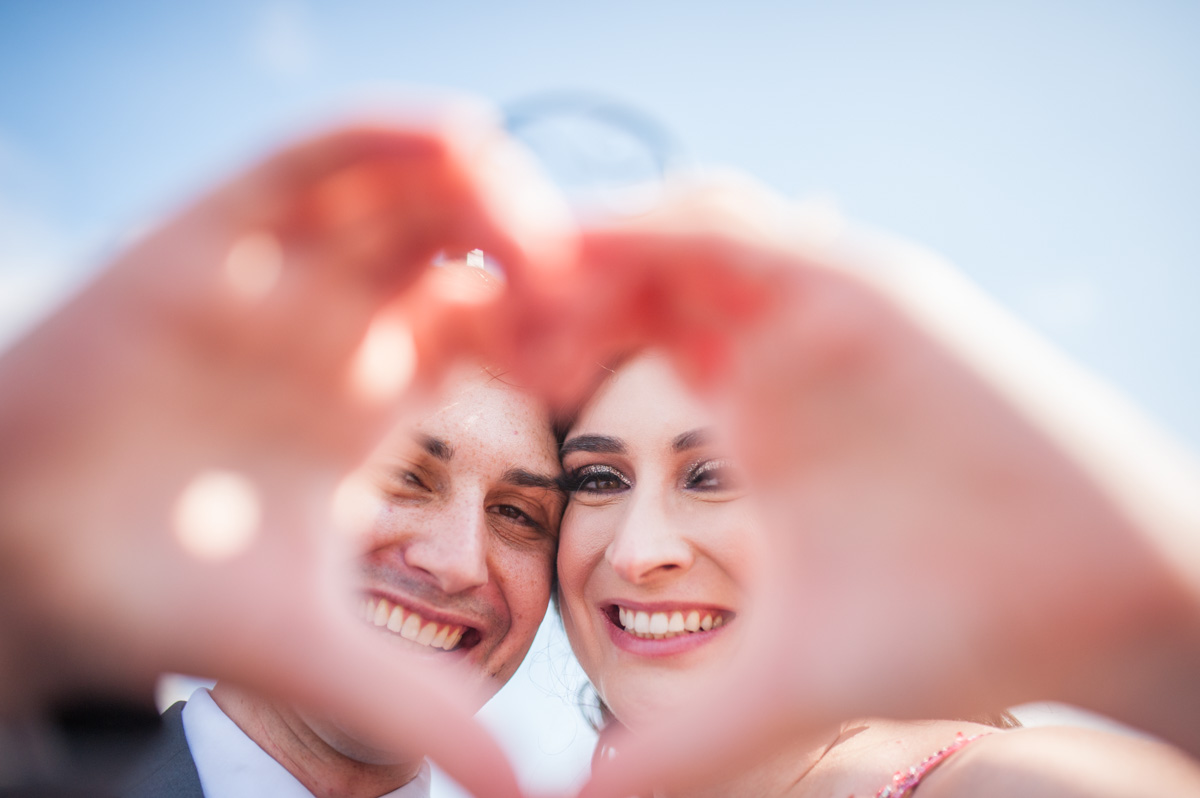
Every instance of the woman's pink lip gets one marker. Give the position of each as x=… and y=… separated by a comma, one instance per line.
x=662, y=647
x=668, y=606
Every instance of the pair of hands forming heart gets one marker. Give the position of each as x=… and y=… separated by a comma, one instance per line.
x=950, y=529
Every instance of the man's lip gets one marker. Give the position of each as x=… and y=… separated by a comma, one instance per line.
x=417, y=623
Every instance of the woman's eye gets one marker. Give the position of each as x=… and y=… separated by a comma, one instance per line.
x=713, y=475
x=596, y=479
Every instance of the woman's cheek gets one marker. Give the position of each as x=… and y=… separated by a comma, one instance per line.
x=581, y=544
x=579, y=554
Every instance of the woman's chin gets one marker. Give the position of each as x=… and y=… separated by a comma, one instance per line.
x=641, y=703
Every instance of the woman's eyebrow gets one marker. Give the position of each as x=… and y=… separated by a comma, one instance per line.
x=692, y=439
x=597, y=444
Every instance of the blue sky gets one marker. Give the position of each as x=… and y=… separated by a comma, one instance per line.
x=1048, y=148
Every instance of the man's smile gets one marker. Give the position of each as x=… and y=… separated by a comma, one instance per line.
x=410, y=625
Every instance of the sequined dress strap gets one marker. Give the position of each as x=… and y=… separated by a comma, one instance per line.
x=906, y=781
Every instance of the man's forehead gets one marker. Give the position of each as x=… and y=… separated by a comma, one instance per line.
x=482, y=411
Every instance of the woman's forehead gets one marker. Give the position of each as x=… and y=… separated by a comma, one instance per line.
x=644, y=396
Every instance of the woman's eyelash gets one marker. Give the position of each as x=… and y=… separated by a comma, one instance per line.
x=595, y=478
x=711, y=469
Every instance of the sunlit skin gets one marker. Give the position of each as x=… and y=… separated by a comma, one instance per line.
x=465, y=536
x=871, y=372
x=661, y=519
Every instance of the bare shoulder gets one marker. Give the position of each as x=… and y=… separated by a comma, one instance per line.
x=1064, y=762
x=869, y=753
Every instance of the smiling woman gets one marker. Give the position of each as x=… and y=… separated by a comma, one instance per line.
x=660, y=544
x=656, y=542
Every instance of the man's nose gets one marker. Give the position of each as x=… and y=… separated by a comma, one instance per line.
x=650, y=542
x=453, y=546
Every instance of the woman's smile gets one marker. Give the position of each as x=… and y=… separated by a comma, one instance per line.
x=656, y=543
x=649, y=632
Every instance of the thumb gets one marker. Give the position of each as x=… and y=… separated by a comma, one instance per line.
x=397, y=702
x=697, y=745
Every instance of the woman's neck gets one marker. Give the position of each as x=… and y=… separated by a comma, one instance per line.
x=782, y=773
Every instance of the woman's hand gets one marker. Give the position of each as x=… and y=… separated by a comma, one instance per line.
x=960, y=520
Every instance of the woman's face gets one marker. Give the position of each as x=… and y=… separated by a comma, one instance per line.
x=655, y=543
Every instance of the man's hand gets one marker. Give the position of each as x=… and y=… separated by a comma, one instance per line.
x=174, y=438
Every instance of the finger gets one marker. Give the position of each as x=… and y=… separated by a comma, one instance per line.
x=285, y=625
x=370, y=203
x=398, y=703
x=692, y=296
x=715, y=259
x=734, y=728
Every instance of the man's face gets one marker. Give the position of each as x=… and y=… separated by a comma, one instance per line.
x=460, y=560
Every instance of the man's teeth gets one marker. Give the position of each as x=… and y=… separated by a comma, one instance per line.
x=658, y=625
x=410, y=625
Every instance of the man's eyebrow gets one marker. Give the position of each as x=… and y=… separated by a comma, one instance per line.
x=692, y=439
x=523, y=478
x=598, y=444
x=436, y=447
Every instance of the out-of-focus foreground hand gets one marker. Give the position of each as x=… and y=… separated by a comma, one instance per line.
x=174, y=437
x=960, y=519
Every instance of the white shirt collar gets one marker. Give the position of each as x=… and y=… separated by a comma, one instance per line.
x=231, y=765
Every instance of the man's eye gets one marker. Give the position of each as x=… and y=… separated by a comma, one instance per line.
x=403, y=482
x=596, y=479
x=515, y=513
x=713, y=475
x=520, y=527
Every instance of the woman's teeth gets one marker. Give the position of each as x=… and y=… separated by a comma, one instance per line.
x=658, y=625
x=410, y=625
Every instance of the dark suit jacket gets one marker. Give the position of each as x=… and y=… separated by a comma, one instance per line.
x=165, y=768
x=99, y=747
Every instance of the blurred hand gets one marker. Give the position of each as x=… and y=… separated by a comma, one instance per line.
x=175, y=436
x=959, y=520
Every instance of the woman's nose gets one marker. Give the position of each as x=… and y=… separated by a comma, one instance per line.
x=650, y=543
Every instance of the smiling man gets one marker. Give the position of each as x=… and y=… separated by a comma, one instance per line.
x=458, y=564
